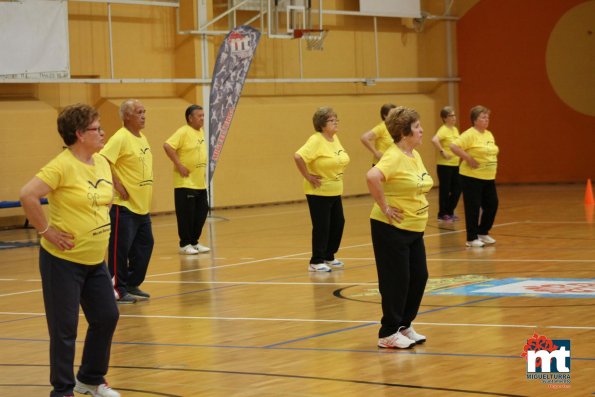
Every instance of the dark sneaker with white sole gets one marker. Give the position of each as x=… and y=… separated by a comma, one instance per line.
x=126, y=299
x=138, y=293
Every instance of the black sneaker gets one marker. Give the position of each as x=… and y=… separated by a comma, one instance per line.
x=138, y=293
x=127, y=299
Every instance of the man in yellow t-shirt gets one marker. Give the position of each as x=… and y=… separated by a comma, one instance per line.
x=378, y=139
x=187, y=149
x=131, y=240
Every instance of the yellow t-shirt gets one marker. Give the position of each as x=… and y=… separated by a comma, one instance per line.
x=482, y=147
x=383, y=139
x=79, y=205
x=407, y=183
x=132, y=161
x=192, y=150
x=327, y=160
x=446, y=136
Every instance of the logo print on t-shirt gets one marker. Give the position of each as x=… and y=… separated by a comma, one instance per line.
x=93, y=197
x=147, y=173
x=491, y=152
x=340, y=159
x=422, y=186
x=199, y=143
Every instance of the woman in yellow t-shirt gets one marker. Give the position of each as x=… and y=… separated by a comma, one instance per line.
x=377, y=140
x=78, y=184
x=399, y=184
x=447, y=166
x=477, y=148
x=321, y=161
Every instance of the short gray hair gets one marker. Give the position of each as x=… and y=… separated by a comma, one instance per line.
x=127, y=106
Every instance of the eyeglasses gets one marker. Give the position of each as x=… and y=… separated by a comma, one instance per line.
x=96, y=129
x=332, y=121
x=452, y=115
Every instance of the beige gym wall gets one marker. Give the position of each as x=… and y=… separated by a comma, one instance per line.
x=272, y=120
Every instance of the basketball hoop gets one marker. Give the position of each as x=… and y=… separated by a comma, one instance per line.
x=314, y=37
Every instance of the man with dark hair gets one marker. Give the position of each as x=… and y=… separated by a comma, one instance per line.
x=187, y=149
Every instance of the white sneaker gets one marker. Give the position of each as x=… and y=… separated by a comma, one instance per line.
x=188, y=250
x=414, y=336
x=319, y=267
x=334, y=263
x=475, y=243
x=486, y=239
x=201, y=248
x=396, y=341
x=102, y=390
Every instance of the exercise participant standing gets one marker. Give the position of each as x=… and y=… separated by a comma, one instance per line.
x=321, y=161
x=399, y=184
x=378, y=139
x=447, y=166
x=187, y=149
x=131, y=240
x=477, y=148
x=78, y=184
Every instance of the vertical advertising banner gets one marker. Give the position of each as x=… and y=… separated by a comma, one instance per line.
x=229, y=74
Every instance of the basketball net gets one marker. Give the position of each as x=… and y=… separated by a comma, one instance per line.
x=314, y=38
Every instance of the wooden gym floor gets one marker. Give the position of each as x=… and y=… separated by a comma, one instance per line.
x=248, y=319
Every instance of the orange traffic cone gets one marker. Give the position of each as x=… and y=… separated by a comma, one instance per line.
x=589, y=194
